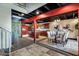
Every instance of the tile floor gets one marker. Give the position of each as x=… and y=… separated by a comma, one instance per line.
x=35, y=50
x=1, y=53
x=71, y=46
x=29, y=49
x=22, y=42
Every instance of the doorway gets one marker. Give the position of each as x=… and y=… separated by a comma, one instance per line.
x=18, y=40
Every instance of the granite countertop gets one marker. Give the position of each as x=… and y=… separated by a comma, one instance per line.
x=42, y=29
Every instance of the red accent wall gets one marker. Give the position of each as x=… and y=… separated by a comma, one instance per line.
x=24, y=32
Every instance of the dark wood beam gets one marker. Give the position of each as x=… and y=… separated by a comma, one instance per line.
x=46, y=8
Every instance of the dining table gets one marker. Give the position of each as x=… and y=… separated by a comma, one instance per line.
x=58, y=34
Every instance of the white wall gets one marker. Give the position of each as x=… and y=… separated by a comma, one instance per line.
x=5, y=21
x=5, y=14
x=5, y=17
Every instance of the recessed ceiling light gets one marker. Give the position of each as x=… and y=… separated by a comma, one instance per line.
x=37, y=12
x=22, y=14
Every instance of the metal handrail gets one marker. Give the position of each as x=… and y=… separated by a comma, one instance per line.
x=5, y=29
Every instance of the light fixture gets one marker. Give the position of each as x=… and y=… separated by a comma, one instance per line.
x=55, y=21
x=58, y=20
x=37, y=12
x=17, y=17
x=22, y=14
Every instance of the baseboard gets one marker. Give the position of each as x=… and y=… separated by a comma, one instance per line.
x=73, y=38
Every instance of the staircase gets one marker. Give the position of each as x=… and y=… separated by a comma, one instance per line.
x=5, y=41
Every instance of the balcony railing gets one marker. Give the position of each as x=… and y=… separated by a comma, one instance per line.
x=5, y=39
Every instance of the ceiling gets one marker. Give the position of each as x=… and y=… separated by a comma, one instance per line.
x=45, y=8
x=66, y=16
x=21, y=5
x=33, y=6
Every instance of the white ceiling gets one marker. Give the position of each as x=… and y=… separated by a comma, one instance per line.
x=32, y=6
x=27, y=7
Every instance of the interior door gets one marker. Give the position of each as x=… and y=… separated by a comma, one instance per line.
x=16, y=29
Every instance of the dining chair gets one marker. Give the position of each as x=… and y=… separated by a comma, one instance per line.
x=65, y=38
x=50, y=36
x=61, y=37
